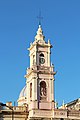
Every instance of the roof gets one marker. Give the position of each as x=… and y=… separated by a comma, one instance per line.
x=23, y=92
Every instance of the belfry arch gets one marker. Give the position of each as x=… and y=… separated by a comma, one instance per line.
x=43, y=90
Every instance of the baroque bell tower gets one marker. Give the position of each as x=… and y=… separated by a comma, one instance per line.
x=40, y=75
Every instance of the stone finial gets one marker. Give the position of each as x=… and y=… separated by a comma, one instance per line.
x=39, y=32
x=48, y=41
x=56, y=104
x=63, y=103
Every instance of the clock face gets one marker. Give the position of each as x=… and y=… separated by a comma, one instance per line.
x=42, y=60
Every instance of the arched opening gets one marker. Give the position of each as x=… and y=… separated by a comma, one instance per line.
x=61, y=119
x=41, y=55
x=41, y=58
x=33, y=59
x=30, y=90
x=43, y=90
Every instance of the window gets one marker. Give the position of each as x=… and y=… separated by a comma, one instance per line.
x=33, y=59
x=30, y=90
x=41, y=55
x=43, y=91
x=41, y=58
x=61, y=119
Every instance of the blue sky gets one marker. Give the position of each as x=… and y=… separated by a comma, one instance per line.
x=18, y=26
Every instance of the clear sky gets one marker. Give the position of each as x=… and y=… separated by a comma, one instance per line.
x=18, y=26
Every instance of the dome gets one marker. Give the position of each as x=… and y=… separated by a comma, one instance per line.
x=23, y=92
x=22, y=100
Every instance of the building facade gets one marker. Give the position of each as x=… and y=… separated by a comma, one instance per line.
x=36, y=100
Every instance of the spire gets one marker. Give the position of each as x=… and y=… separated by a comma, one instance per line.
x=39, y=36
x=40, y=17
x=39, y=32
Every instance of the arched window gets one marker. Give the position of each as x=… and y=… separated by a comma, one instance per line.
x=41, y=58
x=41, y=55
x=33, y=59
x=30, y=90
x=61, y=119
x=43, y=91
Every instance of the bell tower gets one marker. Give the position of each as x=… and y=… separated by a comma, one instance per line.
x=40, y=75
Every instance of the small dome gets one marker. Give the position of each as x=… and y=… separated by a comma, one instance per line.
x=22, y=100
x=23, y=92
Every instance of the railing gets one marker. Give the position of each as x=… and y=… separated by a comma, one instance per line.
x=42, y=68
x=60, y=113
x=65, y=113
x=20, y=108
x=74, y=113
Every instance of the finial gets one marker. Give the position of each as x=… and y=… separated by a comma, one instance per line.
x=63, y=103
x=31, y=43
x=48, y=41
x=40, y=18
x=56, y=104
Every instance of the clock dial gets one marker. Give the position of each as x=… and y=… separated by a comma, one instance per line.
x=42, y=60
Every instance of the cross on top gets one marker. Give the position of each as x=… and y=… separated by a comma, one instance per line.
x=40, y=18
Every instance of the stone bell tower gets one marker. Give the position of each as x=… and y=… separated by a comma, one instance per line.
x=40, y=75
